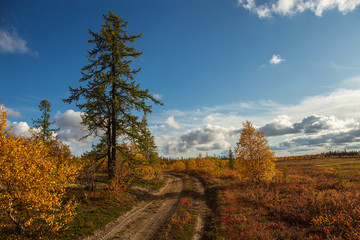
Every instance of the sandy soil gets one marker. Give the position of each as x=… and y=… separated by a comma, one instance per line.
x=145, y=220
x=202, y=210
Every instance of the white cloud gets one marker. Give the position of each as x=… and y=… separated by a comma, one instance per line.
x=172, y=123
x=292, y=7
x=209, y=119
x=11, y=112
x=71, y=131
x=338, y=67
x=19, y=128
x=207, y=138
x=158, y=96
x=322, y=120
x=11, y=42
x=70, y=119
x=276, y=59
x=343, y=103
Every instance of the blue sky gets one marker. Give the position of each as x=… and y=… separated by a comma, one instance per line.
x=290, y=67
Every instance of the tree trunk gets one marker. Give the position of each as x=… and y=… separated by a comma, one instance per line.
x=112, y=162
x=109, y=150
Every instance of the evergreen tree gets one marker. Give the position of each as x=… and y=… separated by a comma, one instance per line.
x=112, y=98
x=231, y=159
x=43, y=123
x=147, y=144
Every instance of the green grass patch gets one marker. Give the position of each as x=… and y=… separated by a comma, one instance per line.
x=95, y=210
x=152, y=184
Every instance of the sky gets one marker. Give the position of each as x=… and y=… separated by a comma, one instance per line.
x=290, y=67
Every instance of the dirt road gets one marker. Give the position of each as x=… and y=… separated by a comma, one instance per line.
x=145, y=221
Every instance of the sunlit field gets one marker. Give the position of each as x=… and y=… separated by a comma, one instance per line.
x=307, y=199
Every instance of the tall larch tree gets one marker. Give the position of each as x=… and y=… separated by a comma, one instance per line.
x=254, y=160
x=111, y=99
x=43, y=123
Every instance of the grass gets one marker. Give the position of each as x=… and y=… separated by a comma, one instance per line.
x=152, y=185
x=95, y=210
x=348, y=165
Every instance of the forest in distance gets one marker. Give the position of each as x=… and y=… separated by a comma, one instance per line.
x=123, y=189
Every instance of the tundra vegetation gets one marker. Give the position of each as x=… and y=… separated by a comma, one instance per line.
x=307, y=197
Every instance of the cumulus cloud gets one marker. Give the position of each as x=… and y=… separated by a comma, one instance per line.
x=70, y=125
x=209, y=119
x=221, y=145
x=320, y=122
x=314, y=134
x=19, y=128
x=309, y=125
x=279, y=126
x=292, y=7
x=11, y=42
x=72, y=131
x=328, y=139
x=70, y=119
x=206, y=138
x=172, y=123
x=276, y=59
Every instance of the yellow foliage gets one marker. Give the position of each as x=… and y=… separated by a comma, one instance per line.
x=254, y=160
x=190, y=164
x=134, y=164
x=177, y=165
x=213, y=166
x=33, y=177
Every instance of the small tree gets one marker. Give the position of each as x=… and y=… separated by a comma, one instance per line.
x=254, y=160
x=43, y=123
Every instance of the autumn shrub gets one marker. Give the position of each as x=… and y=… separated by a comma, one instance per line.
x=180, y=223
x=132, y=164
x=33, y=177
x=177, y=165
x=306, y=205
x=211, y=165
x=334, y=212
x=190, y=164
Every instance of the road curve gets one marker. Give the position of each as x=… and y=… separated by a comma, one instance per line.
x=146, y=219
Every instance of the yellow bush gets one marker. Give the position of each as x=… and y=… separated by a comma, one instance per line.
x=190, y=164
x=33, y=177
x=177, y=165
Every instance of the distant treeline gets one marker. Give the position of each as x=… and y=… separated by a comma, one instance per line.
x=341, y=153
x=306, y=156
x=322, y=155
